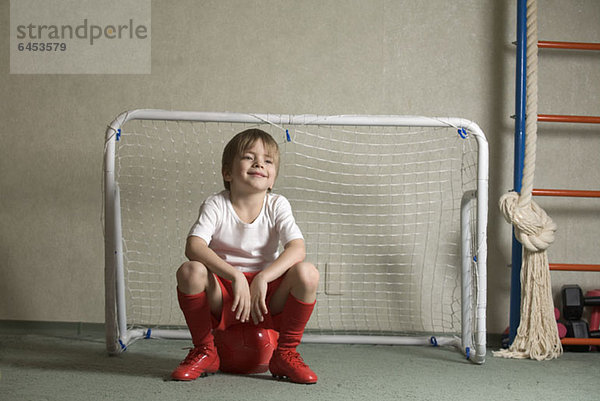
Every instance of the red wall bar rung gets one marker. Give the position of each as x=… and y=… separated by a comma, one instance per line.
x=571, y=193
x=555, y=118
x=545, y=44
x=574, y=267
x=580, y=341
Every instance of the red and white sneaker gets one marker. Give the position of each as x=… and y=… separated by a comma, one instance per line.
x=199, y=362
x=288, y=363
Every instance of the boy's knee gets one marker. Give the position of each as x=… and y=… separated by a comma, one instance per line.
x=308, y=274
x=191, y=274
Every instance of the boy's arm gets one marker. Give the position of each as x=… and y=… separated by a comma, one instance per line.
x=293, y=252
x=197, y=249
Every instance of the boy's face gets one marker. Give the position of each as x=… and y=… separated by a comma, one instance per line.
x=252, y=171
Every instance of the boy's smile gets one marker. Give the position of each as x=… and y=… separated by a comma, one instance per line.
x=257, y=174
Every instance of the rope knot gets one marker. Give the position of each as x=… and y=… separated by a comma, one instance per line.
x=533, y=227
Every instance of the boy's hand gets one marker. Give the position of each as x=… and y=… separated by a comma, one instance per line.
x=258, y=295
x=241, y=298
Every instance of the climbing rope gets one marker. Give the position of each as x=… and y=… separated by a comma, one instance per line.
x=537, y=335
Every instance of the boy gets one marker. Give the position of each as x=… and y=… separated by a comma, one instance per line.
x=235, y=273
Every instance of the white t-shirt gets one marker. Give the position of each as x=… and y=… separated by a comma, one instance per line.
x=248, y=247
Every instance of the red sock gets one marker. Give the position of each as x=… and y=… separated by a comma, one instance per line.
x=196, y=310
x=294, y=318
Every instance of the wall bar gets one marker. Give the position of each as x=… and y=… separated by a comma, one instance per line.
x=553, y=118
x=574, y=267
x=544, y=44
x=572, y=193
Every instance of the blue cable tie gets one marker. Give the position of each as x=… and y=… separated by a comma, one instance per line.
x=118, y=134
x=463, y=133
x=122, y=344
x=433, y=341
x=287, y=135
x=475, y=258
x=148, y=334
x=468, y=352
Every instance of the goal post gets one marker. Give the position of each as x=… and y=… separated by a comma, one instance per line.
x=393, y=210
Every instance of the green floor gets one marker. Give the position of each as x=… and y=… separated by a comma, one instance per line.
x=50, y=362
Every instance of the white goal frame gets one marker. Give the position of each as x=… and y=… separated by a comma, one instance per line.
x=472, y=341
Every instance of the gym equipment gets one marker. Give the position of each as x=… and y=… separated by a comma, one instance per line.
x=576, y=328
x=595, y=316
x=245, y=348
x=574, y=301
x=562, y=329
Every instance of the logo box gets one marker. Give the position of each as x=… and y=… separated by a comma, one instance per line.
x=80, y=37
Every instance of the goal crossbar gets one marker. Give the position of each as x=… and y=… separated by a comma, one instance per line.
x=473, y=226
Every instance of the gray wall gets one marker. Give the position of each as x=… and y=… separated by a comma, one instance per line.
x=324, y=57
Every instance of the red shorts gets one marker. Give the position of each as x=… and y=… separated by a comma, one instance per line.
x=227, y=317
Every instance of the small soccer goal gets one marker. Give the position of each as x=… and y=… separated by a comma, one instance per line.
x=393, y=210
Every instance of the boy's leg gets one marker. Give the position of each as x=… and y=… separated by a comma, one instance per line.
x=299, y=290
x=197, y=293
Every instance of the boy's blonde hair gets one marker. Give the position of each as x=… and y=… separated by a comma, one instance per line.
x=243, y=141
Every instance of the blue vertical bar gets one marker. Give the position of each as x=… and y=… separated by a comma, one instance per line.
x=520, y=101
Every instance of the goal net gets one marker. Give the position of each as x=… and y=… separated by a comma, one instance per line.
x=393, y=210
